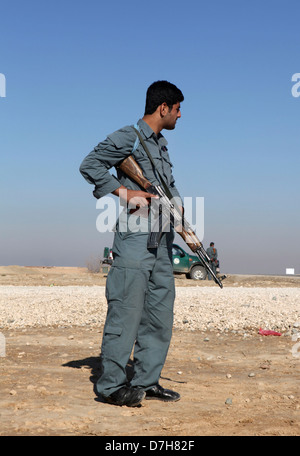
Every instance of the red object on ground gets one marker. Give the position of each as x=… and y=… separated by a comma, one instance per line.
x=267, y=332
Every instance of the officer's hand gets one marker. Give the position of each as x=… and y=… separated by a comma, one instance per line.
x=138, y=198
x=134, y=198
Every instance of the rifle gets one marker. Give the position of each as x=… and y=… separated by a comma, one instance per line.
x=168, y=212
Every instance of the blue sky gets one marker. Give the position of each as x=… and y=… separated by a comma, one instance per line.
x=76, y=71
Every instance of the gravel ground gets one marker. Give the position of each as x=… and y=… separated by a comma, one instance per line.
x=196, y=308
x=51, y=320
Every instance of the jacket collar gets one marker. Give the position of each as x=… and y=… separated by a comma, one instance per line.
x=148, y=132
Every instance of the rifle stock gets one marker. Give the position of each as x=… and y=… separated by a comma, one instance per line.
x=130, y=167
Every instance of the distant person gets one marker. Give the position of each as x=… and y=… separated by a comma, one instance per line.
x=213, y=255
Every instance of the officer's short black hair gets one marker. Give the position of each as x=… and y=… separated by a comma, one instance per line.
x=212, y=243
x=162, y=92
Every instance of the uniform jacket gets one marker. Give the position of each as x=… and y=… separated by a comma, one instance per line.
x=115, y=148
x=212, y=253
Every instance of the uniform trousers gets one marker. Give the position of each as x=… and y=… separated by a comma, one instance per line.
x=212, y=265
x=140, y=294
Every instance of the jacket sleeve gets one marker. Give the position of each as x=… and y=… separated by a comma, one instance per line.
x=96, y=165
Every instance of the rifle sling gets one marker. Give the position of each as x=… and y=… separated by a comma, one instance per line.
x=166, y=188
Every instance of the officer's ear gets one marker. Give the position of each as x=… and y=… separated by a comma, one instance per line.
x=164, y=109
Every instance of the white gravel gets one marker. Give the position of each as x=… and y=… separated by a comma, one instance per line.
x=196, y=308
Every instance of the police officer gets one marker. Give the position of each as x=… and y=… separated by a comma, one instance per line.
x=213, y=255
x=140, y=287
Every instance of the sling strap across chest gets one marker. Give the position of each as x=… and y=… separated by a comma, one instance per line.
x=163, y=183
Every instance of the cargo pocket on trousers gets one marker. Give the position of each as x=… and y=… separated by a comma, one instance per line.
x=111, y=338
x=114, y=330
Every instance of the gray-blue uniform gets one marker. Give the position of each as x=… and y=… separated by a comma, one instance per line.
x=140, y=287
x=213, y=255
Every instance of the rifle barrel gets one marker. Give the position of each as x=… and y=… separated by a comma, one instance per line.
x=133, y=170
x=208, y=268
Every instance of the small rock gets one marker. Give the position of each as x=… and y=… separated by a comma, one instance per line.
x=228, y=375
x=43, y=391
x=265, y=365
x=31, y=387
x=13, y=392
x=252, y=374
x=179, y=372
x=206, y=339
x=228, y=401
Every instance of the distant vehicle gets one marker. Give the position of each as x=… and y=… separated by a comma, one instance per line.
x=190, y=265
x=183, y=263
